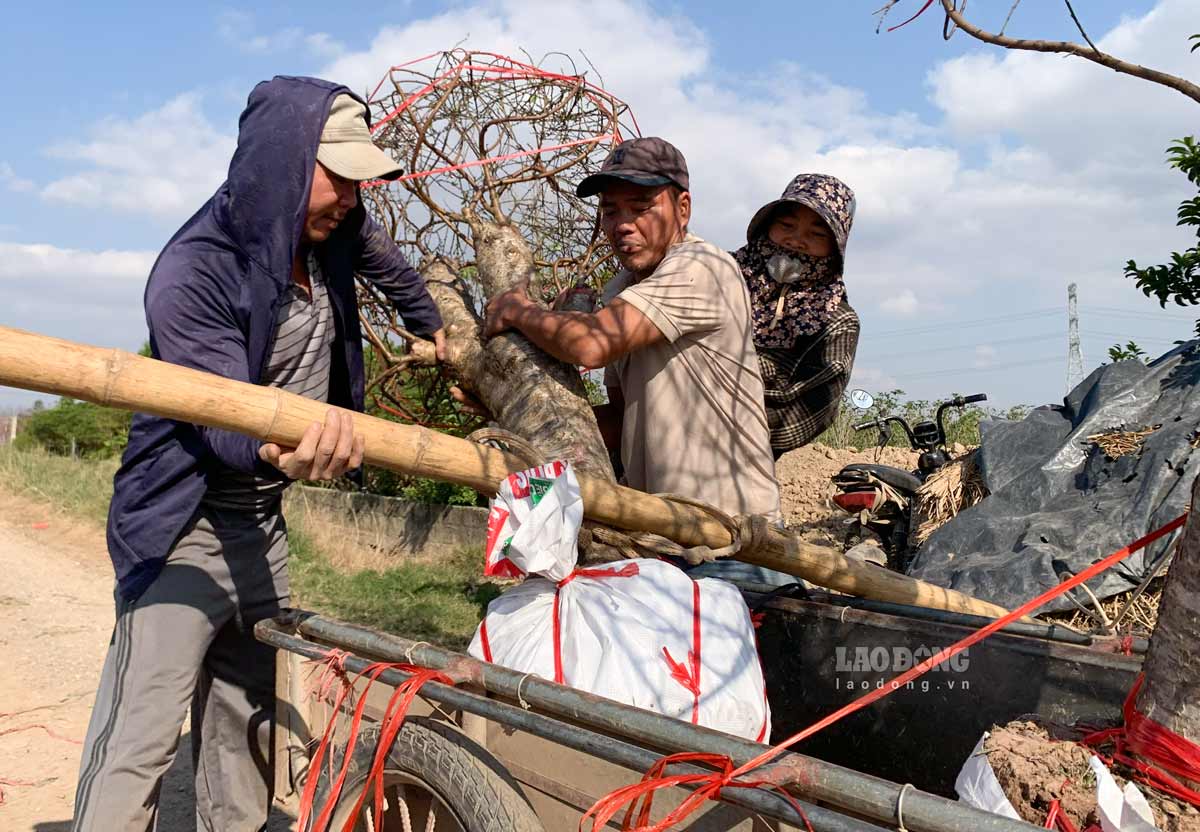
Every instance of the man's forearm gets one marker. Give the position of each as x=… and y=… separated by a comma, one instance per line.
x=573, y=337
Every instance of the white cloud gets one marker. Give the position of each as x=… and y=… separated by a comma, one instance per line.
x=1041, y=171
x=163, y=164
x=792, y=119
x=903, y=305
x=94, y=297
x=1069, y=105
x=638, y=48
x=22, y=261
x=238, y=28
x=44, y=277
x=323, y=45
x=10, y=179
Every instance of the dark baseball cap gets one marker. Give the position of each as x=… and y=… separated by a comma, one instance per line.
x=643, y=161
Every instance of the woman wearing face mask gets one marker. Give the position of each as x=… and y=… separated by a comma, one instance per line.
x=805, y=330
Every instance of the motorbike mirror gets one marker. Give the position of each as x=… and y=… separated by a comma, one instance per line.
x=861, y=399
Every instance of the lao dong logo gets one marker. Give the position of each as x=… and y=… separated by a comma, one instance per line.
x=891, y=661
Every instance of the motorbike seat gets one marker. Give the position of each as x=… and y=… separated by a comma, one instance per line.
x=897, y=478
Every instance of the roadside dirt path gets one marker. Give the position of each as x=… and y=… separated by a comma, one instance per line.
x=56, y=616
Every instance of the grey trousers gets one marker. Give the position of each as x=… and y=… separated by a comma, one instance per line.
x=189, y=640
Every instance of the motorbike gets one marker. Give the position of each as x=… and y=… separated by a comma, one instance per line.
x=880, y=498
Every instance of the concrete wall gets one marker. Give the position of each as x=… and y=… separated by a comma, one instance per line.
x=391, y=526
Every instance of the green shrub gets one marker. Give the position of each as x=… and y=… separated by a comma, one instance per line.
x=962, y=424
x=421, y=490
x=98, y=432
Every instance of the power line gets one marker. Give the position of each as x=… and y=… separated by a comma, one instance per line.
x=1049, y=336
x=1096, y=333
x=872, y=337
x=1118, y=312
x=990, y=368
x=869, y=345
x=997, y=319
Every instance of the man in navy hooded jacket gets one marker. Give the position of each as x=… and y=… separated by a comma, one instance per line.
x=257, y=286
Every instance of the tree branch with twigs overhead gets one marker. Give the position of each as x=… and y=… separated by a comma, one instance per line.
x=956, y=19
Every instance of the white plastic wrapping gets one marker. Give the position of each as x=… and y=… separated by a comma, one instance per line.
x=640, y=632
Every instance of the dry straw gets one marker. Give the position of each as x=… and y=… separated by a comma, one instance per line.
x=948, y=490
x=1119, y=443
x=1138, y=613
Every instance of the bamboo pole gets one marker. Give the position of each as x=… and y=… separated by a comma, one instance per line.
x=115, y=378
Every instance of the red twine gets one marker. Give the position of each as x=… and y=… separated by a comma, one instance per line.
x=727, y=776
x=511, y=69
x=37, y=727
x=629, y=570
x=689, y=675
x=4, y=782
x=920, y=12
x=393, y=720
x=1164, y=755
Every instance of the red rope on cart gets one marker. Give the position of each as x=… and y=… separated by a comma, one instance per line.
x=393, y=720
x=726, y=776
x=333, y=669
x=314, y=764
x=1158, y=756
x=655, y=779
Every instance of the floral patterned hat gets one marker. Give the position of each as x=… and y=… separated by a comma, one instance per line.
x=829, y=196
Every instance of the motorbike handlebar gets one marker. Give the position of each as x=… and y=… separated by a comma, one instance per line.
x=959, y=401
x=885, y=421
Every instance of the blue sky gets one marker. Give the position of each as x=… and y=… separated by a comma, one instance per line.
x=987, y=181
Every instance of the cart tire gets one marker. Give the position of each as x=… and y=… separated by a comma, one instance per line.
x=457, y=772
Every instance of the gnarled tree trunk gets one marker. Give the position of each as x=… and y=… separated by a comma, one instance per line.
x=1171, y=693
x=530, y=394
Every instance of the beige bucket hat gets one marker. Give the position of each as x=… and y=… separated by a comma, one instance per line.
x=346, y=147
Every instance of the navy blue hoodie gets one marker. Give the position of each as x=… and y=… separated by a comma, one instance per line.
x=212, y=301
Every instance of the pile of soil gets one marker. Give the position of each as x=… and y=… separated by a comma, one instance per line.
x=1035, y=768
x=805, y=488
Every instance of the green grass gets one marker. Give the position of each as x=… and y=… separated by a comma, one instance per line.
x=81, y=488
x=440, y=602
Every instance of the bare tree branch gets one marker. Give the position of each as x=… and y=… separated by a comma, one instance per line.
x=489, y=138
x=882, y=13
x=1079, y=26
x=1094, y=55
x=1008, y=17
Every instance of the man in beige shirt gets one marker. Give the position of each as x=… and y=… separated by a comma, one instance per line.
x=675, y=337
